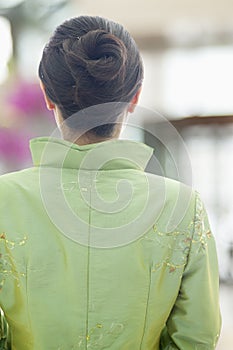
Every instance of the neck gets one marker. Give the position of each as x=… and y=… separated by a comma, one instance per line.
x=84, y=139
x=73, y=136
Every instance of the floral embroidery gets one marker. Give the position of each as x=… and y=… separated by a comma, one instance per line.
x=99, y=336
x=202, y=231
x=178, y=242
x=7, y=262
x=172, y=267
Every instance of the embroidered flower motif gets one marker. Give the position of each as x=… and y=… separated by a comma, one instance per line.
x=100, y=335
x=202, y=231
x=7, y=261
x=177, y=243
x=172, y=267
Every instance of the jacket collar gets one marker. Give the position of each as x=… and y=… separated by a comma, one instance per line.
x=107, y=155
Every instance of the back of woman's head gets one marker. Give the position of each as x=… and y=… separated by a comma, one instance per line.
x=90, y=61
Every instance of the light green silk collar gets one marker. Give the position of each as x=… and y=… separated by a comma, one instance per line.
x=107, y=155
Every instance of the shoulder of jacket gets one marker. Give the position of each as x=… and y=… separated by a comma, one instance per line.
x=179, y=200
x=171, y=186
x=15, y=178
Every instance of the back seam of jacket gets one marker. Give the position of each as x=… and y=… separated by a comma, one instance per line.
x=88, y=268
x=146, y=312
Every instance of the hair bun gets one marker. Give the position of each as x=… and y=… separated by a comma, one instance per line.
x=104, y=55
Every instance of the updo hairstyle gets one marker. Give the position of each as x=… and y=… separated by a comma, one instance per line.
x=90, y=61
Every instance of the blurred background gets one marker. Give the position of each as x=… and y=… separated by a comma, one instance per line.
x=187, y=47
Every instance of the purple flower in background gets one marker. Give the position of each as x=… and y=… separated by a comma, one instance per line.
x=28, y=99
x=14, y=145
x=24, y=116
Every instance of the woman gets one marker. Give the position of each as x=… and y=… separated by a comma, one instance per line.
x=95, y=252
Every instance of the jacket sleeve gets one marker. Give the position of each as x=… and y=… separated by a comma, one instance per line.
x=195, y=321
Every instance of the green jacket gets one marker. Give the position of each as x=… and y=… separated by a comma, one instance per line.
x=97, y=254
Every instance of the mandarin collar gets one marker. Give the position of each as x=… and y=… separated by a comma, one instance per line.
x=107, y=155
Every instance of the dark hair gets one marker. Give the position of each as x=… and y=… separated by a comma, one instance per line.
x=90, y=61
